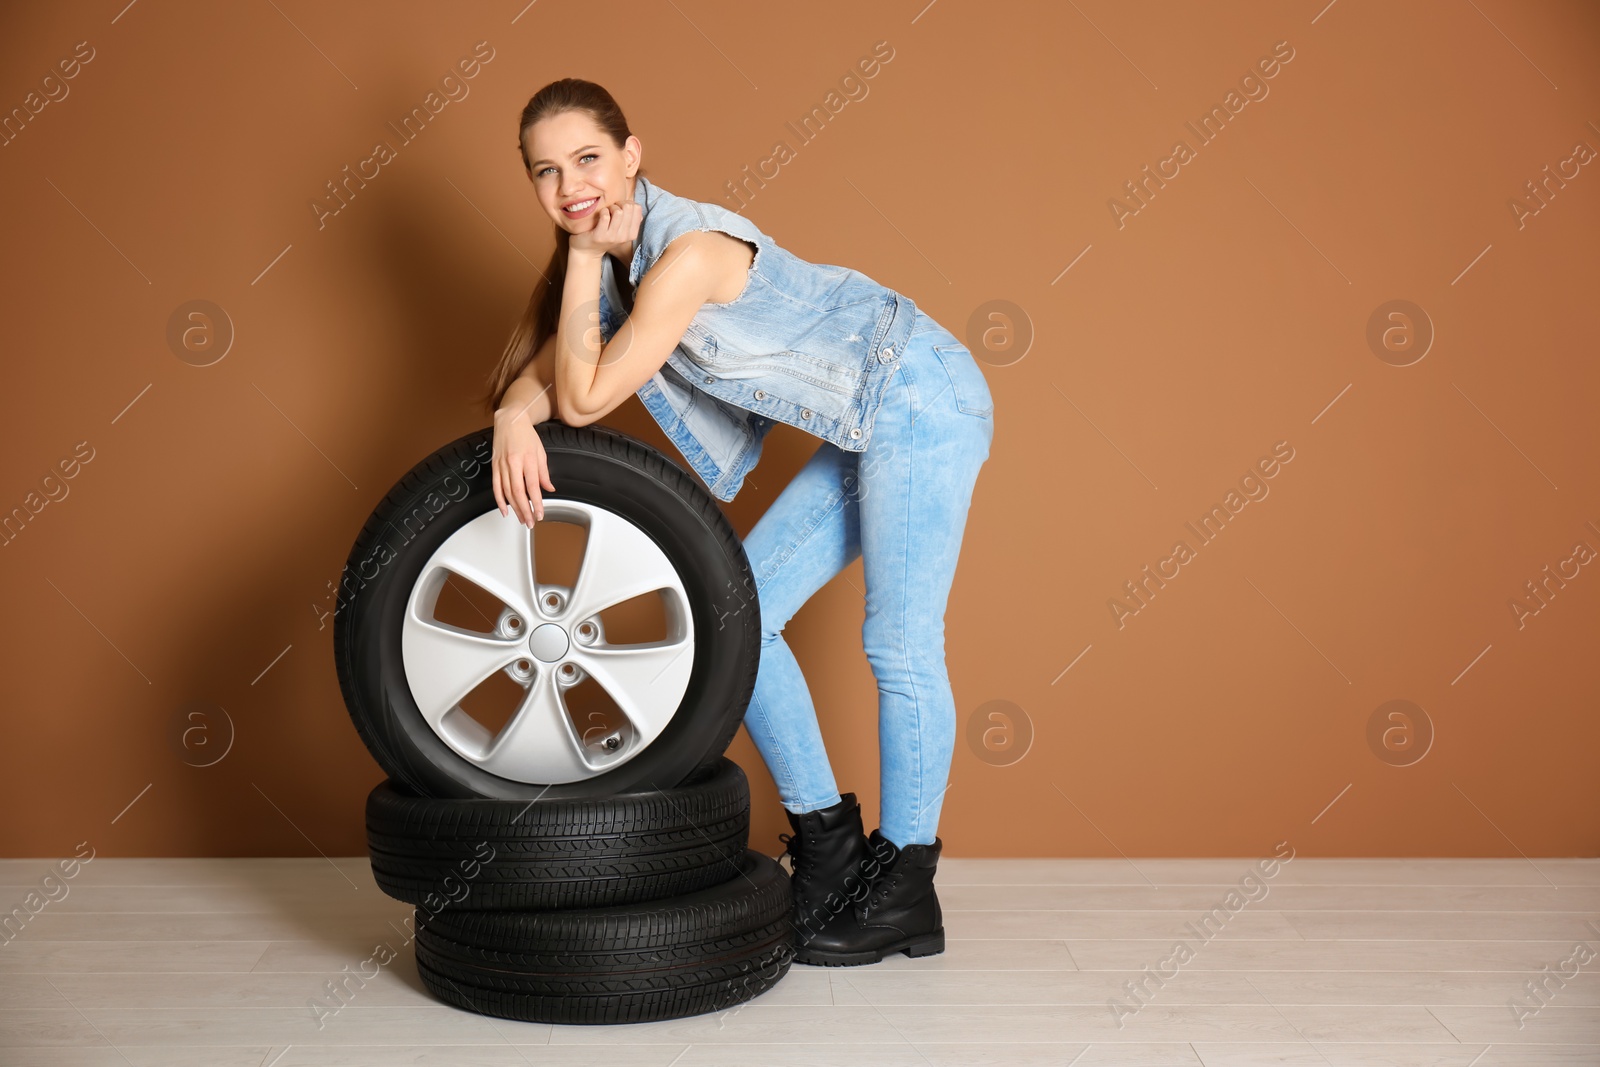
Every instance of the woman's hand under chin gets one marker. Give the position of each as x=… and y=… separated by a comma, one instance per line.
x=615, y=227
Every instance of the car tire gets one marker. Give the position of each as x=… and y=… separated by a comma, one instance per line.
x=678, y=956
x=652, y=531
x=580, y=852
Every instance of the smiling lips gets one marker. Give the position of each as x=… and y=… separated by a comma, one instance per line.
x=579, y=208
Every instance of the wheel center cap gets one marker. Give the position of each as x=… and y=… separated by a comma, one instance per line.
x=548, y=643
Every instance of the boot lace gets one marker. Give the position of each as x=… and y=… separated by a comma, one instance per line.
x=883, y=887
x=792, y=848
x=888, y=876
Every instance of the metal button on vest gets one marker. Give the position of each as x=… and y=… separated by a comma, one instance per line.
x=805, y=413
x=887, y=354
x=856, y=432
x=709, y=379
x=761, y=394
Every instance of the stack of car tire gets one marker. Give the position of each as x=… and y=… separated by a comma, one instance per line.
x=627, y=891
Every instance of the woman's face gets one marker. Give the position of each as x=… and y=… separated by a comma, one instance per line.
x=575, y=165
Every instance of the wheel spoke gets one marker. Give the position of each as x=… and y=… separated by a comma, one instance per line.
x=619, y=563
x=493, y=552
x=539, y=744
x=444, y=663
x=646, y=681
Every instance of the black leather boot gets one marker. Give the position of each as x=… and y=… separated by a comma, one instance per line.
x=900, y=913
x=833, y=865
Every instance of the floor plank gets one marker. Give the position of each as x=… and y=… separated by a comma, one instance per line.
x=1357, y=962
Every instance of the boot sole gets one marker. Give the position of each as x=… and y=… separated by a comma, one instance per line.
x=919, y=945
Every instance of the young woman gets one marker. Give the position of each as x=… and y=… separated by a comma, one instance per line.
x=722, y=333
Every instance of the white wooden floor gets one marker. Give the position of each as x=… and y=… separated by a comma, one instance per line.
x=171, y=963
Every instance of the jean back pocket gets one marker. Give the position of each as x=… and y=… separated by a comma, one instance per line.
x=966, y=380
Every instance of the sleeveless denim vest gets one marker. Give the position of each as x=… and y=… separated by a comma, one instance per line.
x=808, y=344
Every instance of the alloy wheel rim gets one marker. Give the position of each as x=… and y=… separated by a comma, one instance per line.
x=548, y=639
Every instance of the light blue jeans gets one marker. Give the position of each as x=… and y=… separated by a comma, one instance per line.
x=901, y=505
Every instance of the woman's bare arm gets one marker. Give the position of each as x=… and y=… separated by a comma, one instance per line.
x=596, y=379
x=521, y=468
x=532, y=393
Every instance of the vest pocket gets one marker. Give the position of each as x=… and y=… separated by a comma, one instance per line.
x=832, y=375
x=967, y=382
x=700, y=345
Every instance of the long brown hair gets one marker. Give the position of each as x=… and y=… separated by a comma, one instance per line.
x=539, y=319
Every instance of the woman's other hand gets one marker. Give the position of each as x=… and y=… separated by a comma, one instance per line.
x=520, y=466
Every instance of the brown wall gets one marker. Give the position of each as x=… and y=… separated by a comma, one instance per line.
x=1226, y=317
